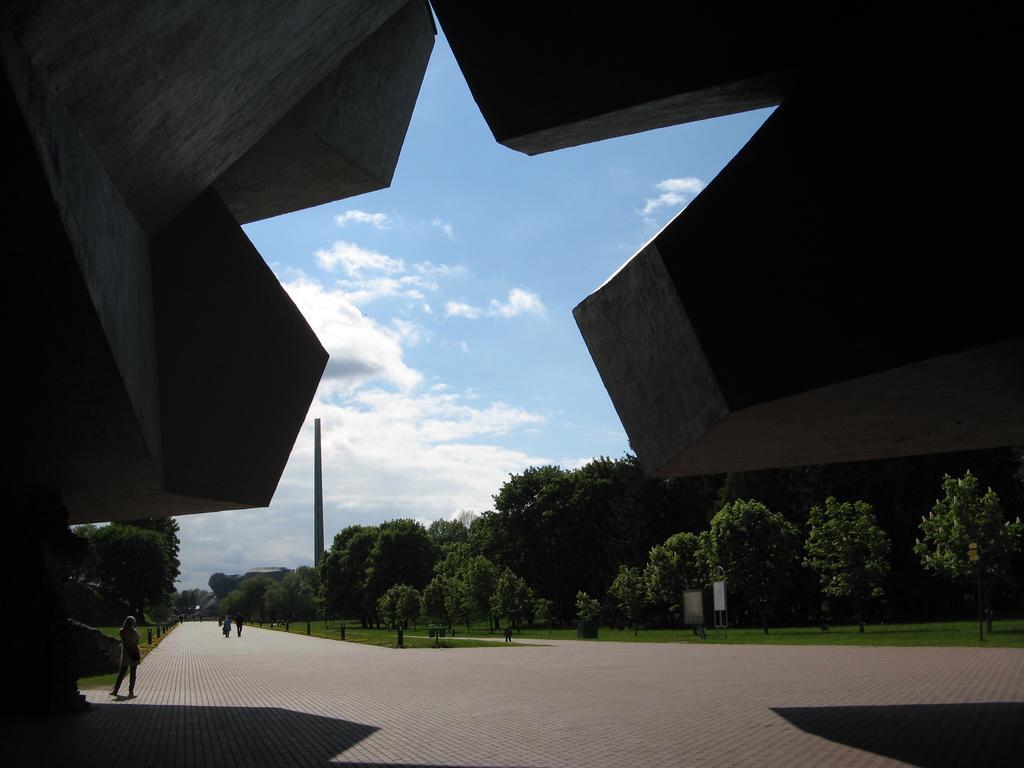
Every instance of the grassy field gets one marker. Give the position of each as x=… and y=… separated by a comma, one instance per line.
x=1006, y=634
x=386, y=638
x=107, y=681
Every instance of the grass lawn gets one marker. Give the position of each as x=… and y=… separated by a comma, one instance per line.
x=107, y=681
x=1008, y=633
x=386, y=638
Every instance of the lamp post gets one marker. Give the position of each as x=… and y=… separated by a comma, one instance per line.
x=975, y=557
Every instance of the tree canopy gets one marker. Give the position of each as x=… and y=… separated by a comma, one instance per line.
x=967, y=516
x=848, y=550
x=132, y=564
x=756, y=548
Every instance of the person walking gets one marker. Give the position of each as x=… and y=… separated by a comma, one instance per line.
x=238, y=624
x=227, y=626
x=131, y=657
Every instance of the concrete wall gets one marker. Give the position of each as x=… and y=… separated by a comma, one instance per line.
x=164, y=369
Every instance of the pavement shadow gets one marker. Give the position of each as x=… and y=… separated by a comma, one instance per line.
x=152, y=735
x=925, y=735
x=155, y=736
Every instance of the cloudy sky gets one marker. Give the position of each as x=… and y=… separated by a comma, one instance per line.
x=445, y=303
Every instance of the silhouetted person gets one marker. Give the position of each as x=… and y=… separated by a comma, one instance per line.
x=238, y=624
x=508, y=633
x=130, y=655
x=227, y=626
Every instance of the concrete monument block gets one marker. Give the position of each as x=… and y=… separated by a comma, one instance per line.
x=344, y=138
x=549, y=76
x=825, y=298
x=238, y=363
x=169, y=95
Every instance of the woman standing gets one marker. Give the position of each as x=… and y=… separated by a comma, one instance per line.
x=130, y=656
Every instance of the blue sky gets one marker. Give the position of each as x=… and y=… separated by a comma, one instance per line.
x=446, y=304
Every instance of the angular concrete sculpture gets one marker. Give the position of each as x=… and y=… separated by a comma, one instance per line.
x=825, y=298
x=344, y=138
x=578, y=75
x=158, y=366
x=192, y=369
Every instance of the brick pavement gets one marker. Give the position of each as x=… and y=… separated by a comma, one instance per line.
x=271, y=699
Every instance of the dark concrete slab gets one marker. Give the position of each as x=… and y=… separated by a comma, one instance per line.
x=549, y=76
x=122, y=423
x=170, y=97
x=345, y=137
x=827, y=297
x=238, y=363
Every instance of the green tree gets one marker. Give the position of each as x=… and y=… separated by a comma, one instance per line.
x=188, y=600
x=510, y=597
x=343, y=573
x=168, y=529
x=132, y=565
x=630, y=593
x=433, y=600
x=399, y=605
x=443, y=532
x=672, y=568
x=967, y=516
x=402, y=554
x=756, y=548
x=82, y=569
x=453, y=558
x=587, y=608
x=848, y=550
x=544, y=611
x=248, y=599
x=295, y=597
x=480, y=577
x=458, y=604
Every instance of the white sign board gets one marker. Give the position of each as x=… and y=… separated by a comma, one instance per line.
x=693, y=606
x=719, y=590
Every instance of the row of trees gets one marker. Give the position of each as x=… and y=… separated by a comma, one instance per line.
x=757, y=549
x=606, y=530
x=297, y=596
x=398, y=571
x=566, y=531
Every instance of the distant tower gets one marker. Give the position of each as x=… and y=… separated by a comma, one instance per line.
x=318, y=499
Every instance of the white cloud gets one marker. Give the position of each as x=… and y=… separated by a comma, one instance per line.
x=444, y=226
x=519, y=302
x=427, y=310
x=690, y=185
x=361, y=350
x=458, y=309
x=464, y=347
x=378, y=220
x=674, y=193
x=408, y=332
x=354, y=259
x=442, y=270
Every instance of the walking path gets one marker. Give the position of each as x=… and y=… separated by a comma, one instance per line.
x=277, y=699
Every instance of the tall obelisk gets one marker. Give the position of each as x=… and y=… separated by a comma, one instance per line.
x=318, y=499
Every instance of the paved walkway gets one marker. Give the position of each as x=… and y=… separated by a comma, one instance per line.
x=271, y=699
